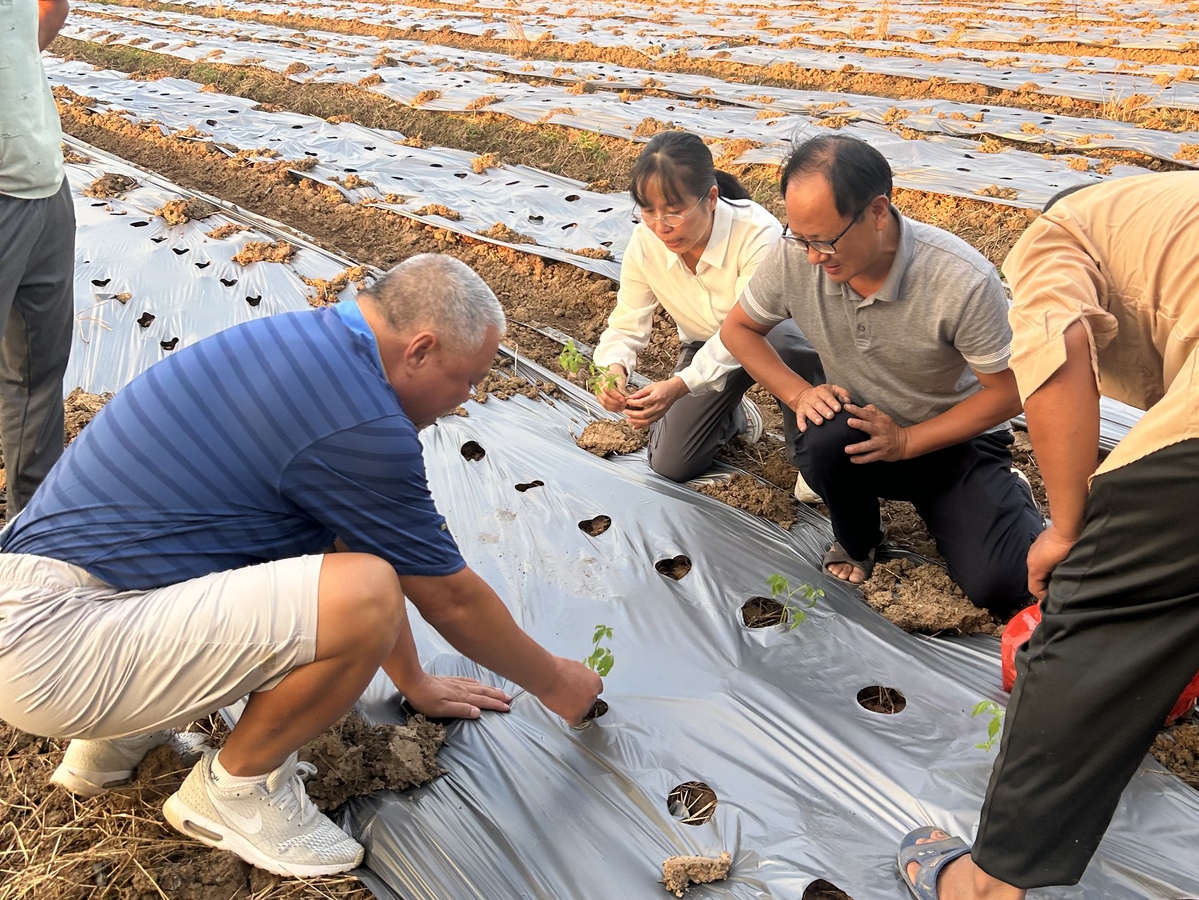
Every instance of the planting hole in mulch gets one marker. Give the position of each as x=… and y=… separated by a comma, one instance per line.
x=598, y=708
x=762, y=612
x=597, y=526
x=879, y=699
x=473, y=451
x=674, y=568
x=529, y=484
x=693, y=802
x=824, y=890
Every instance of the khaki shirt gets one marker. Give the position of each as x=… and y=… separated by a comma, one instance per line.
x=1122, y=258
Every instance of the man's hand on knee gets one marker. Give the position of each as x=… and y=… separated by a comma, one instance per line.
x=888, y=439
x=817, y=404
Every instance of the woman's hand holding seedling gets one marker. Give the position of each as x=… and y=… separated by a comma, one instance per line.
x=649, y=404
x=610, y=390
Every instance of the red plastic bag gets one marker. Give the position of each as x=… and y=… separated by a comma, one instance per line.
x=1020, y=629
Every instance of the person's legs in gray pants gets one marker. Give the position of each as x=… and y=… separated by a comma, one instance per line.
x=683, y=443
x=36, y=308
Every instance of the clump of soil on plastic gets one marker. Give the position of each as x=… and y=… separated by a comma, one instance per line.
x=680, y=872
x=748, y=493
x=353, y=758
x=81, y=407
x=605, y=437
x=71, y=156
x=921, y=597
x=326, y=292
x=438, y=209
x=110, y=185
x=264, y=251
x=224, y=231
x=593, y=252
x=501, y=232
x=180, y=212
x=505, y=387
x=1177, y=749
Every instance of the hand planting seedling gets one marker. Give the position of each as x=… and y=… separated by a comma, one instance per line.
x=601, y=660
x=994, y=726
x=598, y=379
x=793, y=615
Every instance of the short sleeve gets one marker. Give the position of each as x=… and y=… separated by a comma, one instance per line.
x=367, y=485
x=764, y=299
x=984, y=336
x=1055, y=282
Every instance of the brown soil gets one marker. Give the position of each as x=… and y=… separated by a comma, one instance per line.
x=354, y=759
x=110, y=185
x=505, y=387
x=605, y=437
x=922, y=597
x=679, y=872
x=264, y=251
x=326, y=292
x=675, y=567
x=180, y=212
x=1177, y=749
x=224, y=231
x=81, y=407
x=748, y=493
x=824, y=890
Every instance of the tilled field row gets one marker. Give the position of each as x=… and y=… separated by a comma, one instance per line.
x=1166, y=84
x=747, y=129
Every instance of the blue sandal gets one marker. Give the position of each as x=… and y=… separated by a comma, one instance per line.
x=932, y=856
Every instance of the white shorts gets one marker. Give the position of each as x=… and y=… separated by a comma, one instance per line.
x=81, y=659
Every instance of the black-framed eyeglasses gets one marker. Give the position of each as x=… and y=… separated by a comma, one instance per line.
x=829, y=247
x=674, y=220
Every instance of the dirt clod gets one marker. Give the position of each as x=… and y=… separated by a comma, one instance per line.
x=81, y=407
x=180, y=212
x=605, y=437
x=921, y=597
x=110, y=185
x=264, y=251
x=679, y=872
x=1177, y=749
x=353, y=758
x=748, y=493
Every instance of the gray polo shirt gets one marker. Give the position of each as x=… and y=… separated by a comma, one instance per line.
x=908, y=348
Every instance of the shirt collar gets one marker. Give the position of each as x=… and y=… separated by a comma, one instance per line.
x=903, y=258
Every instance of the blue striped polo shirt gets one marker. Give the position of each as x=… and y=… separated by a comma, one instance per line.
x=261, y=442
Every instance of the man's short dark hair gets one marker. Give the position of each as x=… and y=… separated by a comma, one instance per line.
x=856, y=171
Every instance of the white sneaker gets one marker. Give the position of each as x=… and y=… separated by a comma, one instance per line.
x=270, y=823
x=803, y=493
x=89, y=768
x=754, y=426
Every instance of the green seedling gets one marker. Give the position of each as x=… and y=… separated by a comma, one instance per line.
x=994, y=726
x=601, y=660
x=598, y=379
x=793, y=614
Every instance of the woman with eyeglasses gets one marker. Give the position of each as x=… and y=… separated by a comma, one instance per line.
x=698, y=240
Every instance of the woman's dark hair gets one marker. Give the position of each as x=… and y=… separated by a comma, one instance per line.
x=856, y=171
x=681, y=163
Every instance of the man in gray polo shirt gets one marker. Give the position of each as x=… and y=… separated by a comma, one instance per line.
x=37, y=251
x=911, y=325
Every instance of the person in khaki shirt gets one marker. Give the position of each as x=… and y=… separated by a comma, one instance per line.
x=1106, y=300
